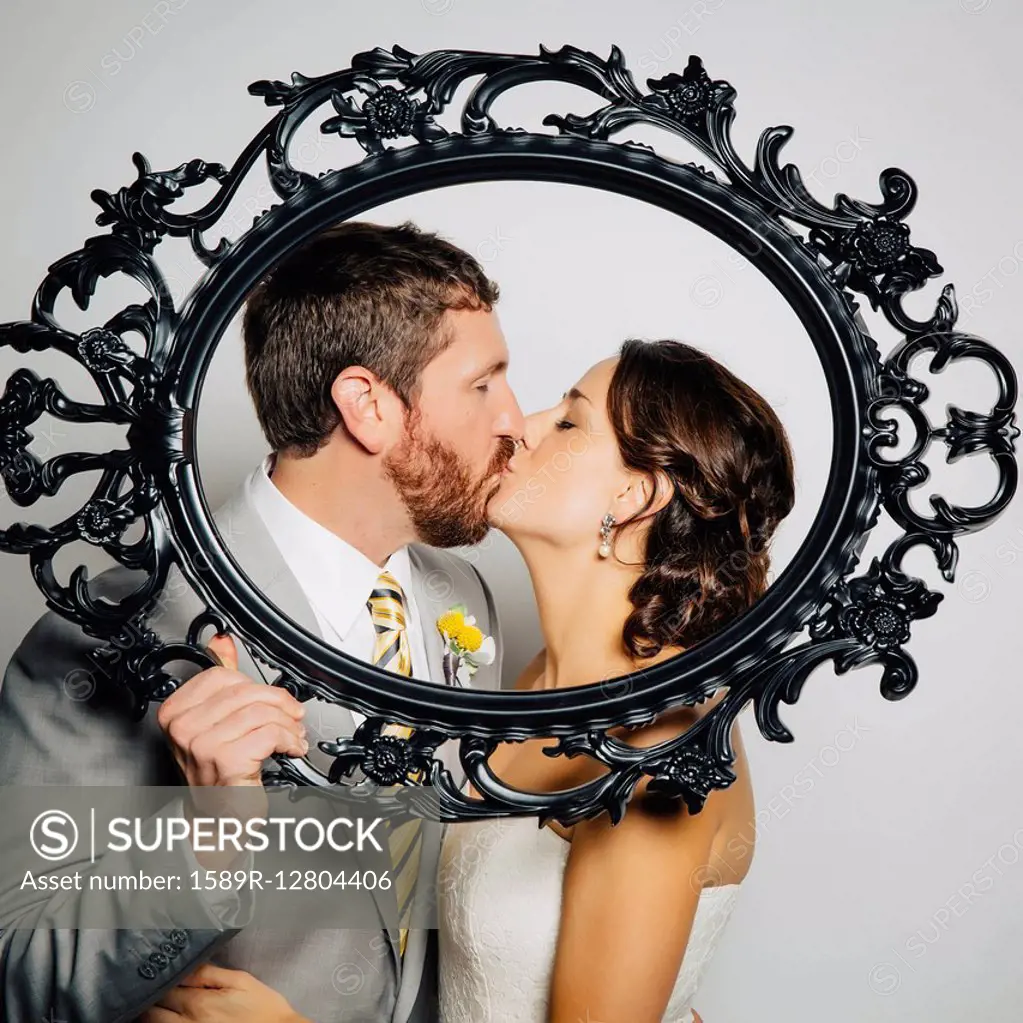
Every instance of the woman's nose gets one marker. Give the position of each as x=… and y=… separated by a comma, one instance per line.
x=536, y=427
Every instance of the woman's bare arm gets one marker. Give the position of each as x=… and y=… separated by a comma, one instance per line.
x=629, y=899
x=532, y=671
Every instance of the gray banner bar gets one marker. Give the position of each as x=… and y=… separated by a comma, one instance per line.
x=169, y=857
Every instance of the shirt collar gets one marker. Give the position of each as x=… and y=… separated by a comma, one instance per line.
x=336, y=577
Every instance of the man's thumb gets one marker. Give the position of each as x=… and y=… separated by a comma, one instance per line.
x=222, y=649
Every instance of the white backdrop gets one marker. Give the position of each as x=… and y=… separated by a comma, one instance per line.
x=886, y=884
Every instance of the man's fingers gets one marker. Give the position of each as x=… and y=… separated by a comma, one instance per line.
x=194, y=691
x=211, y=975
x=221, y=647
x=272, y=738
x=244, y=721
x=198, y=688
x=159, y=1015
x=179, y=1003
x=229, y=700
x=240, y=762
x=213, y=694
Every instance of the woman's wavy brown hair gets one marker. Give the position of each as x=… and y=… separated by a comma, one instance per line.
x=677, y=411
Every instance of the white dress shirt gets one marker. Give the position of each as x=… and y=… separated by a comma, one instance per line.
x=335, y=577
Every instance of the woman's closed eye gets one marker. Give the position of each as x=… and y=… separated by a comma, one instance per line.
x=564, y=424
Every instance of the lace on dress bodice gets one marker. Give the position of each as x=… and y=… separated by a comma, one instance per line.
x=499, y=901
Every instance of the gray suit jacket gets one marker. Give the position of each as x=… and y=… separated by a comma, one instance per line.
x=46, y=737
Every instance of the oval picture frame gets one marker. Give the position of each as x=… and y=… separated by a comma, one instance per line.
x=389, y=101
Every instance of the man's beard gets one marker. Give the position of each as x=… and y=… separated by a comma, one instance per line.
x=446, y=502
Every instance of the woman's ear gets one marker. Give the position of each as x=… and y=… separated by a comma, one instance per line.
x=642, y=488
x=367, y=407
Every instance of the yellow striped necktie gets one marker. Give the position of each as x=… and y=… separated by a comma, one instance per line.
x=392, y=653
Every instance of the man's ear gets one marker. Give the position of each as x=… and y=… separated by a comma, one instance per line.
x=369, y=409
x=631, y=500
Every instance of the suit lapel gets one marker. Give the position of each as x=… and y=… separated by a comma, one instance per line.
x=248, y=539
x=430, y=609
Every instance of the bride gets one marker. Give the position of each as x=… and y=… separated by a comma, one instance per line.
x=642, y=505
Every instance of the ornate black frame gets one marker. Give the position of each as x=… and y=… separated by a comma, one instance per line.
x=852, y=247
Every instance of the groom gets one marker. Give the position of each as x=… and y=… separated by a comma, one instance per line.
x=378, y=373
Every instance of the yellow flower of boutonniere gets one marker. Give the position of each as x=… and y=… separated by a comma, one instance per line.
x=466, y=648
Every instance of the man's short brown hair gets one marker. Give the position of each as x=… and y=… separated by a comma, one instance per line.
x=357, y=294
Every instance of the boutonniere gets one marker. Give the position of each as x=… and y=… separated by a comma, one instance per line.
x=466, y=648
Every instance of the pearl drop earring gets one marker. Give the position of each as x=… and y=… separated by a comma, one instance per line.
x=605, y=535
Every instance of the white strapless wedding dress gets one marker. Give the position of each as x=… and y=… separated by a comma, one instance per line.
x=499, y=904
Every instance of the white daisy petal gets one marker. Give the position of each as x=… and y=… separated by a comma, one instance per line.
x=487, y=651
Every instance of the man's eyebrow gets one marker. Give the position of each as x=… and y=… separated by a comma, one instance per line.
x=576, y=393
x=494, y=367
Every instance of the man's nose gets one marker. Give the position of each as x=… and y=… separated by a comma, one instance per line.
x=511, y=422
